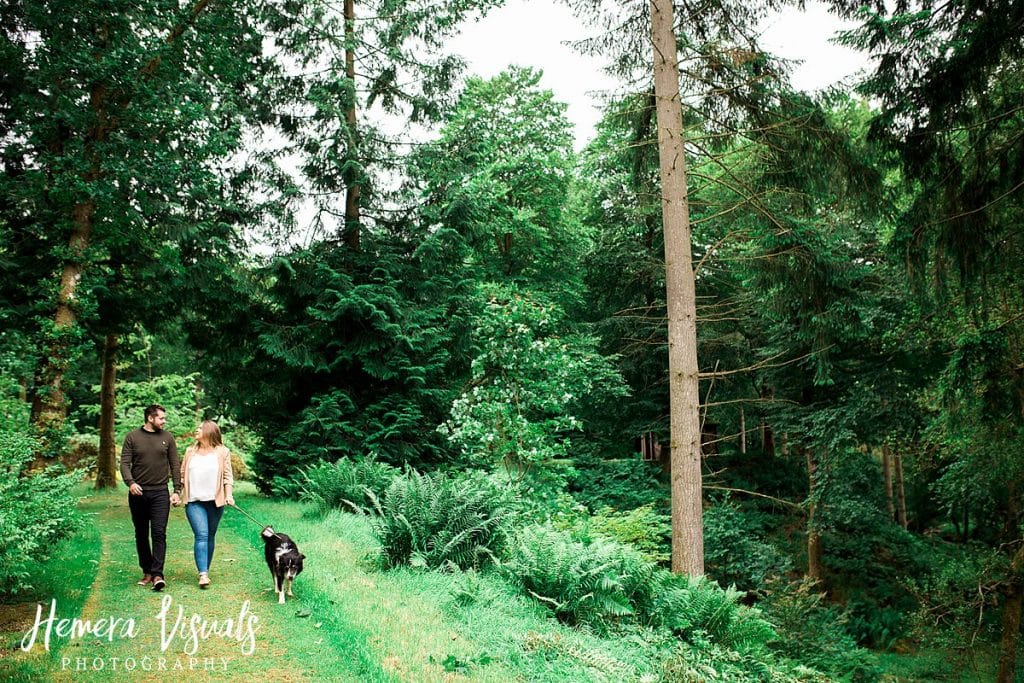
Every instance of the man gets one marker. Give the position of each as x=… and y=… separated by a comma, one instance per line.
x=148, y=457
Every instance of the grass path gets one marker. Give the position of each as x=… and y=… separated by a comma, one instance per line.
x=248, y=633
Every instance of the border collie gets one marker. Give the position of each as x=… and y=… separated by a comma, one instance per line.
x=283, y=559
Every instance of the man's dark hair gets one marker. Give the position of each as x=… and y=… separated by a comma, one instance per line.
x=152, y=410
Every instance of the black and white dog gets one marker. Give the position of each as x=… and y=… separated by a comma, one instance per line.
x=283, y=559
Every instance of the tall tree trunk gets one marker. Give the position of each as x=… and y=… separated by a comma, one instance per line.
x=50, y=411
x=106, y=465
x=1011, y=633
x=1014, y=599
x=901, y=495
x=887, y=477
x=814, y=565
x=684, y=398
x=353, y=190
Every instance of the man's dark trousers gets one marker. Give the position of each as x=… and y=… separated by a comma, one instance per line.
x=149, y=515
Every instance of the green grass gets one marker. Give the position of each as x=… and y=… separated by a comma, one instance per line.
x=348, y=621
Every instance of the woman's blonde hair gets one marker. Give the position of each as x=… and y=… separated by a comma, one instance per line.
x=209, y=435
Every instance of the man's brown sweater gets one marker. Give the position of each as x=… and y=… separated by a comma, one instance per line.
x=149, y=459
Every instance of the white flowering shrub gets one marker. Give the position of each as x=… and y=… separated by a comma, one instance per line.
x=527, y=381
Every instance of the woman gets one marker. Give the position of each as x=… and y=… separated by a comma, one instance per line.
x=207, y=482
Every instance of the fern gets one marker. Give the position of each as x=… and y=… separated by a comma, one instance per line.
x=349, y=485
x=580, y=583
x=437, y=520
x=697, y=610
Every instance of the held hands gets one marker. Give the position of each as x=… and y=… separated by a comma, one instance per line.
x=175, y=499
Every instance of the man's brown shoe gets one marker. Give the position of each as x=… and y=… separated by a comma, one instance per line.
x=146, y=580
x=158, y=583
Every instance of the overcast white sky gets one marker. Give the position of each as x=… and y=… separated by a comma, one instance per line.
x=533, y=33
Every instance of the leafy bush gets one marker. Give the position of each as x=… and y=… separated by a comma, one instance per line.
x=177, y=393
x=350, y=485
x=285, y=487
x=949, y=599
x=643, y=528
x=36, y=510
x=873, y=625
x=438, y=520
x=620, y=484
x=528, y=382
x=732, y=552
x=817, y=634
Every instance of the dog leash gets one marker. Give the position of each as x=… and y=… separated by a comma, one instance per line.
x=256, y=521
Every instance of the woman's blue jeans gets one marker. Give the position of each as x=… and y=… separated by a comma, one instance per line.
x=203, y=516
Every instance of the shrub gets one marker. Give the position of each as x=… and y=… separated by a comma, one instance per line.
x=177, y=393
x=36, y=511
x=285, y=487
x=712, y=663
x=732, y=552
x=816, y=634
x=349, y=485
x=438, y=520
x=528, y=384
x=622, y=484
x=648, y=531
x=239, y=470
x=82, y=453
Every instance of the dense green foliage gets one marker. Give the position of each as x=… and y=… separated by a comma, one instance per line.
x=367, y=315
x=36, y=512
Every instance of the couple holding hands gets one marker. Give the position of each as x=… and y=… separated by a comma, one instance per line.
x=202, y=481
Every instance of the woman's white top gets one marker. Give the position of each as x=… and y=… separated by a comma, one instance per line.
x=202, y=476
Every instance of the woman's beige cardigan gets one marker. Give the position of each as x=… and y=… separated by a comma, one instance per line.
x=224, y=475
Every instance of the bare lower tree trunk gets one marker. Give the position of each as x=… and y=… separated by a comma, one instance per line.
x=106, y=466
x=814, y=570
x=887, y=477
x=1011, y=634
x=353, y=190
x=901, y=494
x=684, y=398
x=1011, y=622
